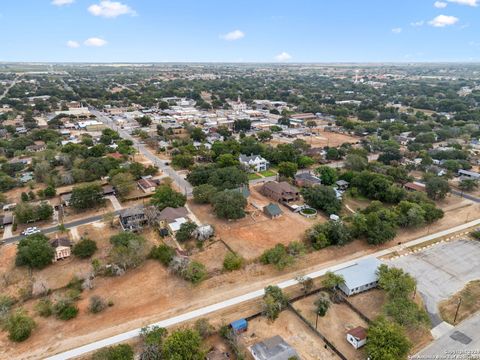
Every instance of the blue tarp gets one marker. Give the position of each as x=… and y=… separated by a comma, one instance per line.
x=239, y=325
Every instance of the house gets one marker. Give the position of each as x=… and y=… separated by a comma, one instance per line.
x=133, y=219
x=280, y=191
x=239, y=326
x=274, y=348
x=342, y=185
x=62, y=248
x=253, y=162
x=26, y=177
x=6, y=219
x=272, y=210
x=36, y=148
x=172, y=218
x=147, y=185
x=108, y=190
x=307, y=180
x=469, y=174
x=414, y=186
x=360, y=276
x=357, y=337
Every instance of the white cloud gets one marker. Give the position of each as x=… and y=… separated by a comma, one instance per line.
x=233, y=35
x=397, y=30
x=110, y=9
x=440, y=4
x=417, y=23
x=283, y=56
x=73, y=44
x=443, y=20
x=96, y=42
x=465, y=2
x=62, y=2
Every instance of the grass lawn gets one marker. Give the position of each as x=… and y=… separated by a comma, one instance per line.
x=254, y=176
x=268, y=173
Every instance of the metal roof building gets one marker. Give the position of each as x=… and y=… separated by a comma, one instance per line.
x=360, y=276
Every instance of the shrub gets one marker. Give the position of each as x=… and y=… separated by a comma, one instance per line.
x=203, y=193
x=277, y=256
x=97, y=304
x=232, y=261
x=185, y=232
x=203, y=327
x=163, y=253
x=65, y=309
x=274, y=301
x=85, y=248
x=44, y=308
x=195, y=272
x=118, y=352
x=19, y=326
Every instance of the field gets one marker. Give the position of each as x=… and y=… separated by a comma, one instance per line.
x=307, y=344
x=467, y=301
x=320, y=139
x=334, y=325
x=255, y=233
x=370, y=303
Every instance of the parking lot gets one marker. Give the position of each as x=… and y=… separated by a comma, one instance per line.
x=441, y=271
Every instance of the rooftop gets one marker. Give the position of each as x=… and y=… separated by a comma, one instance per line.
x=361, y=273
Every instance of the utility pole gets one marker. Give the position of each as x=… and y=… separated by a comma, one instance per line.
x=316, y=322
x=456, y=312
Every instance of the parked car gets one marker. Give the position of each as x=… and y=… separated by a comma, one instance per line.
x=31, y=231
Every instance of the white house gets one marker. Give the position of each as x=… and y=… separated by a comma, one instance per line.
x=360, y=276
x=254, y=162
x=357, y=337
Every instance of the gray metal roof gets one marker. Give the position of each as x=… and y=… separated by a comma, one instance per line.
x=362, y=273
x=274, y=348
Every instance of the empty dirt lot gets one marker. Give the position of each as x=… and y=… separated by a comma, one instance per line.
x=334, y=325
x=255, y=233
x=320, y=138
x=307, y=344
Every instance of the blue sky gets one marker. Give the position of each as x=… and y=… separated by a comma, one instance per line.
x=242, y=30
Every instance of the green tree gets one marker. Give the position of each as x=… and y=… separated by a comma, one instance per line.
x=195, y=272
x=185, y=232
x=287, y=169
x=19, y=326
x=232, y=261
x=395, y=282
x=153, y=339
x=386, y=341
x=117, y=352
x=182, y=161
x=264, y=135
x=322, y=198
x=50, y=191
x=468, y=185
x=229, y=204
x=165, y=196
x=34, y=251
x=144, y=121
x=226, y=160
x=183, y=344
x=321, y=306
x=332, y=281
x=124, y=183
x=203, y=193
x=87, y=196
x=278, y=256
x=274, y=301
x=327, y=174
x=85, y=248
x=163, y=253
x=437, y=188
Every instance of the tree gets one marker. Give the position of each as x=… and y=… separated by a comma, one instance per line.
x=232, y=261
x=322, y=198
x=356, y=162
x=229, y=204
x=129, y=250
x=242, y=125
x=153, y=339
x=332, y=281
x=50, y=191
x=327, y=174
x=124, y=183
x=185, y=232
x=322, y=305
x=195, y=272
x=395, y=282
x=437, y=188
x=227, y=178
x=182, y=161
x=85, y=248
x=163, y=253
x=184, y=344
x=19, y=326
x=278, y=256
x=65, y=309
x=144, y=121
x=203, y=193
x=287, y=169
x=380, y=229
x=386, y=341
x=165, y=196
x=87, y=196
x=468, y=185
x=274, y=301
x=264, y=135
x=34, y=251
x=306, y=282
x=117, y=352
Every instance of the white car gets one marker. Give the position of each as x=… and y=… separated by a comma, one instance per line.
x=31, y=231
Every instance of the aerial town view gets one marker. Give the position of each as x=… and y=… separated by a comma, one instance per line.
x=254, y=180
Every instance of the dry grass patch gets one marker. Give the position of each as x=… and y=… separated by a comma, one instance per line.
x=470, y=303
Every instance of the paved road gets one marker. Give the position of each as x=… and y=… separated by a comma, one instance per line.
x=82, y=350
x=162, y=164
x=465, y=195
x=9, y=87
x=68, y=225
x=461, y=342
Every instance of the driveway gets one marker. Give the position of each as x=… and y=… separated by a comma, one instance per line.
x=441, y=271
x=115, y=203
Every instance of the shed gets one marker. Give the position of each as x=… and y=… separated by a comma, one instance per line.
x=357, y=337
x=274, y=348
x=360, y=276
x=272, y=210
x=239, y=326
x=342, y=184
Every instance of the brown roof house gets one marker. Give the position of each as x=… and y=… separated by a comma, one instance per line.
x=357, y=337
x=62, y=247
x=172, y=218
x=147, y=185
x=280, y=191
